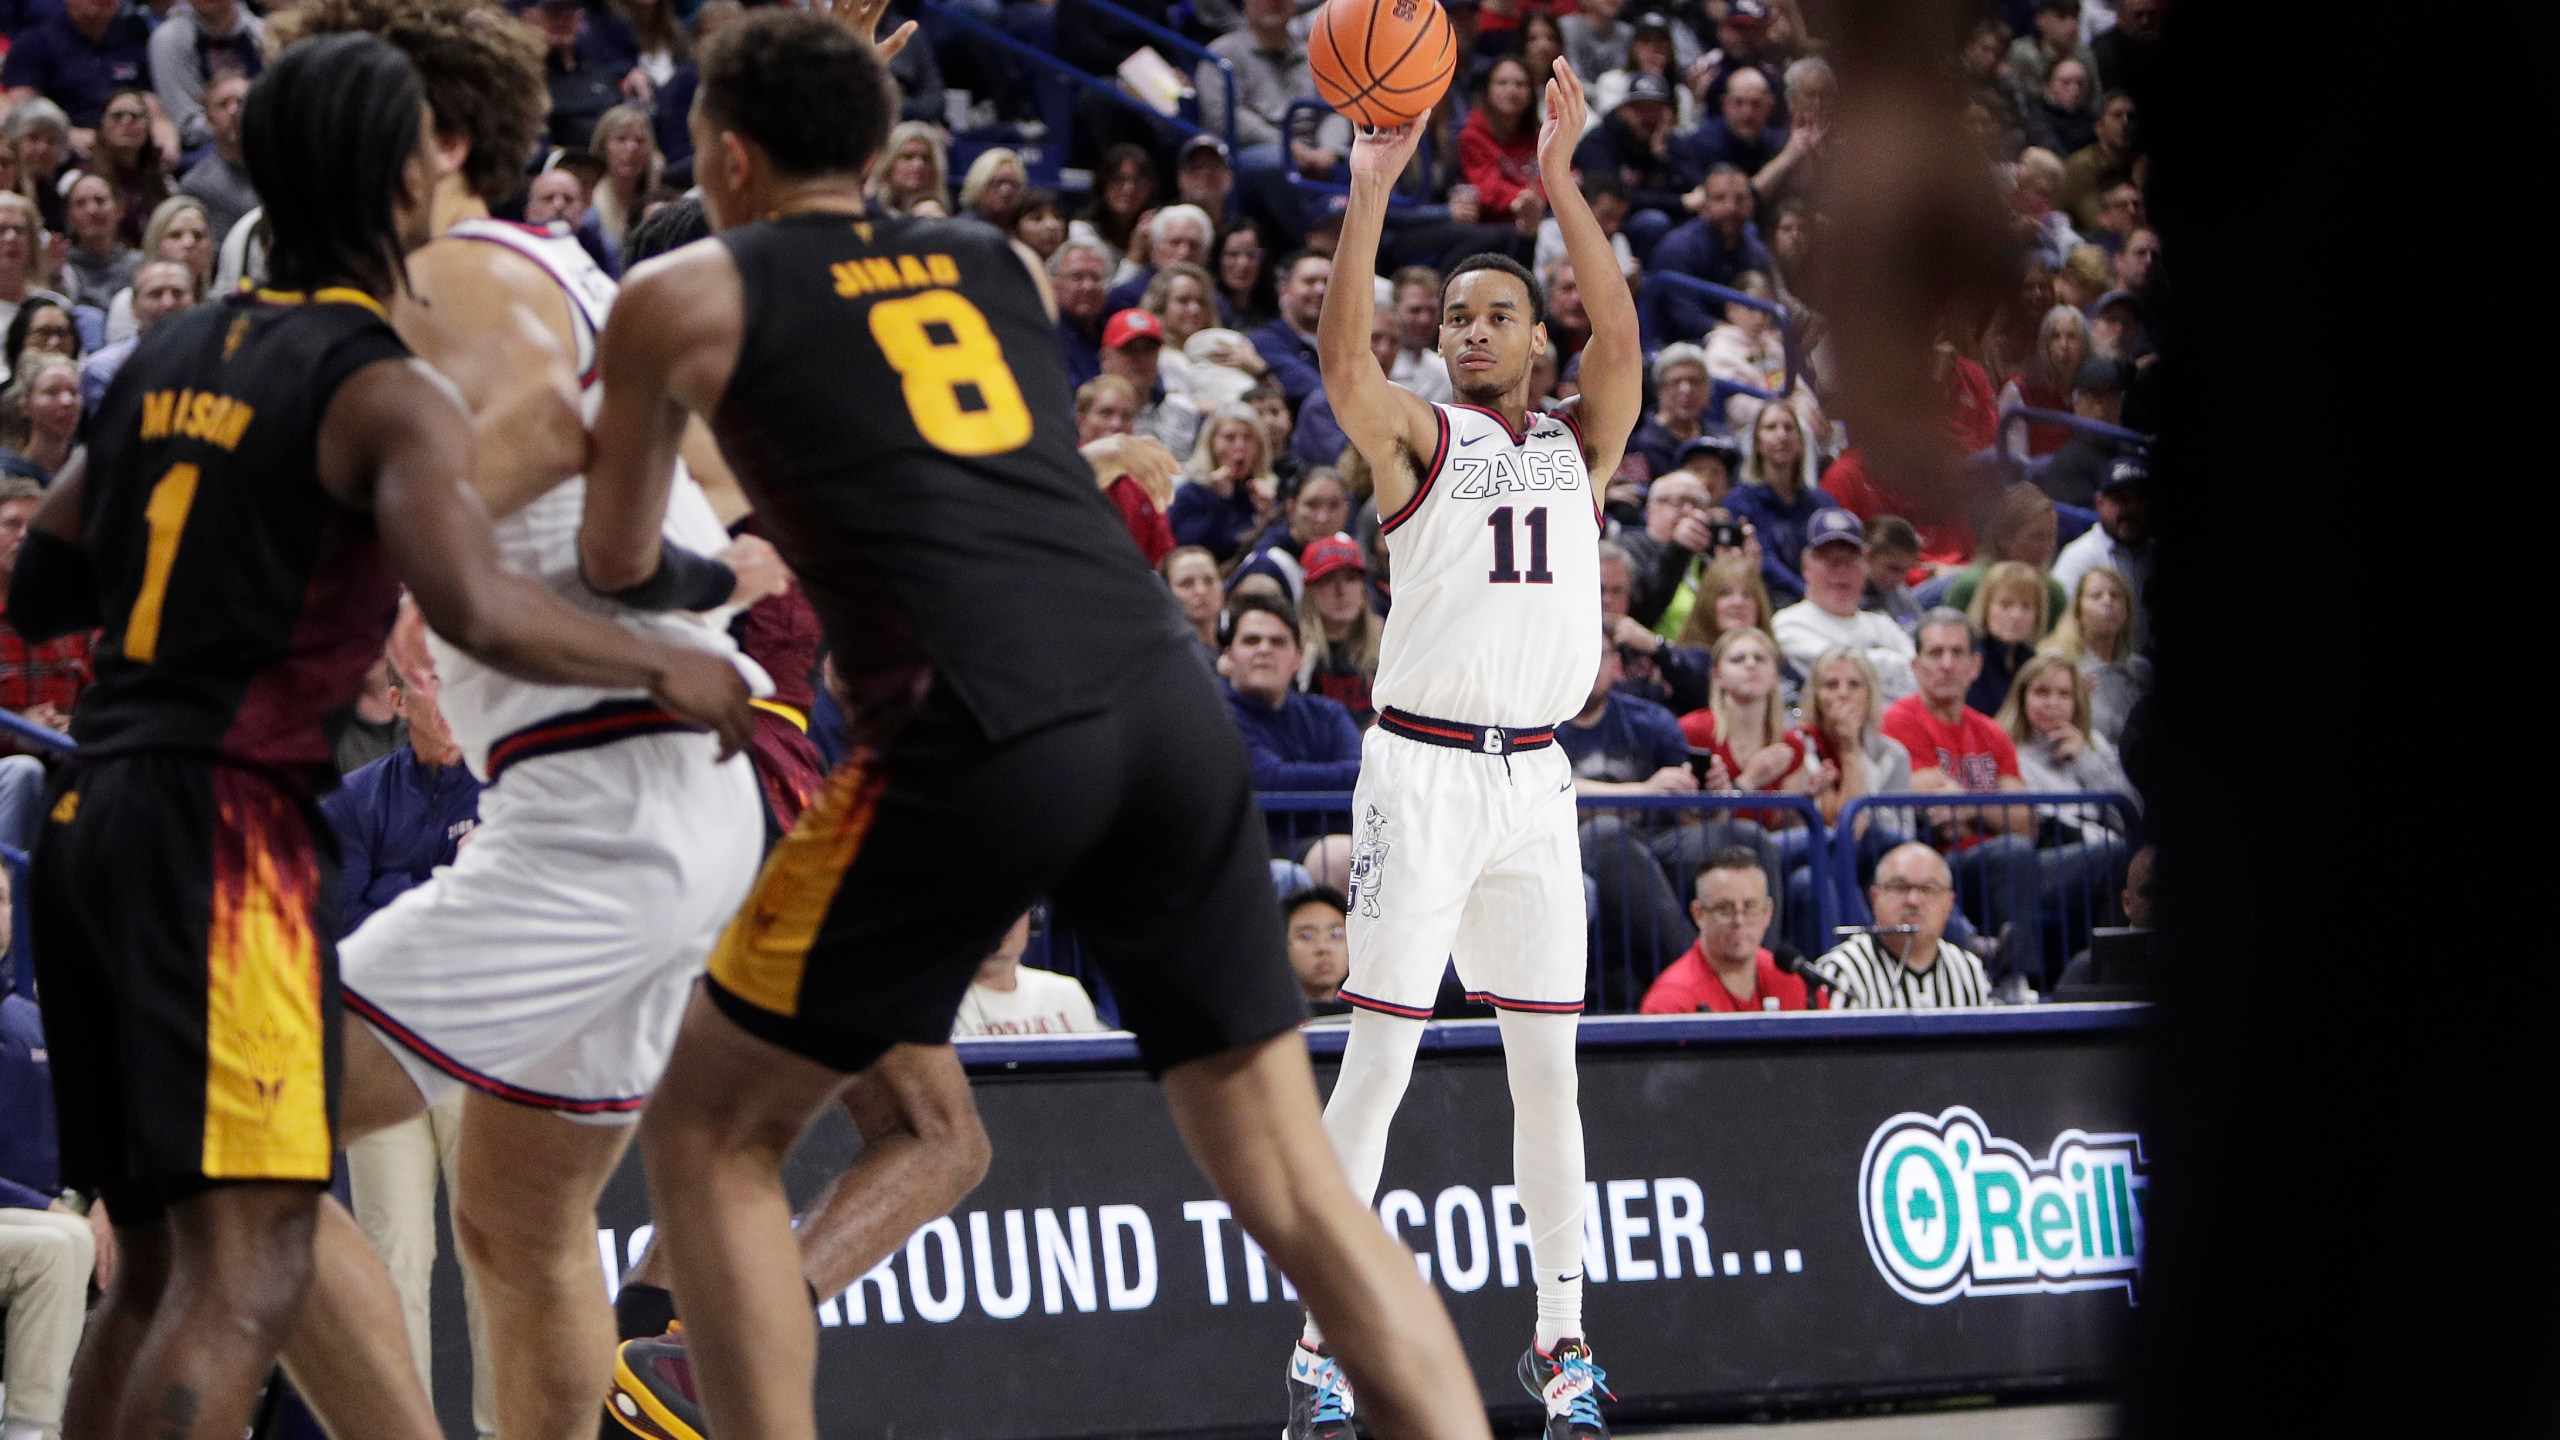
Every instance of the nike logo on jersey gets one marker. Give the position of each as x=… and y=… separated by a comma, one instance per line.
x=1482, y=476
x=1470, y=440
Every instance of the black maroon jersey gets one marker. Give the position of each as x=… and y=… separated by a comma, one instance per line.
x=901, y=416
x=242, y=603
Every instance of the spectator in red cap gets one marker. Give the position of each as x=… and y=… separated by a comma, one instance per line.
x=1336, y=627
x=1729, y=970
x=1132, y=341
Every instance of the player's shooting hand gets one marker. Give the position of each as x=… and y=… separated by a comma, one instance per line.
x=1381, y=155
x=862, y=17
x=1567, y=112
x=759, y=569
x=708, y=690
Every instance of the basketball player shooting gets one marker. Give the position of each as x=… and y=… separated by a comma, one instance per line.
x=1463, y=820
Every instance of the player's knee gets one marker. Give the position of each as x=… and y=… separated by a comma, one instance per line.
x=506, y=1235
x=251, y=1249
x=677, y=1140
x=961, y=1140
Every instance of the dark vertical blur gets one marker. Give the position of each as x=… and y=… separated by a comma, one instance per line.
x=2344, y=1111
x=2353, y=1085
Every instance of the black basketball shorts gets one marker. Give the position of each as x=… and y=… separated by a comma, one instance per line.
x=189, y=983
x=1138, y=822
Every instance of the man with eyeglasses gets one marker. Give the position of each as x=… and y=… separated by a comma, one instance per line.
x=1905, y=961
x=1729, y=970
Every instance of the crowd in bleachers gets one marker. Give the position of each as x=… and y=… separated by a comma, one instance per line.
x=1772, y=597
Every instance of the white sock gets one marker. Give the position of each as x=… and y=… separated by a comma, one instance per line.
x=1377, y=1063
x=1547, y=1162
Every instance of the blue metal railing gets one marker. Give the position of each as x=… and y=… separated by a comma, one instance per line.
x=2047, y=885
x=1661, y=280
x=27, y=732
x=1108, y=88
x=1181, y=44
x=2022, y=415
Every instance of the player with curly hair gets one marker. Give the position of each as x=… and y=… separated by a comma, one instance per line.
x=542, y=974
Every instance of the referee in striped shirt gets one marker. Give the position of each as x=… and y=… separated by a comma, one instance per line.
x=1911, y=966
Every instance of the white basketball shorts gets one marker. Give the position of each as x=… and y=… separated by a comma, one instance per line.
x=1465, y=855
x=551, y=962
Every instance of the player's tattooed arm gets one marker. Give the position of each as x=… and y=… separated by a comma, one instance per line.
x=1390, y=424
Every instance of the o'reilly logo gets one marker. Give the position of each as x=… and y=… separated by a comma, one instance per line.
x=1951, y=1209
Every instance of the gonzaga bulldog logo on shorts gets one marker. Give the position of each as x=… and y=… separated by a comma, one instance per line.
x=1950, y=1209
x=1369, y=863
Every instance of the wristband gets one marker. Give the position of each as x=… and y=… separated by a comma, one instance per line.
x=682, y=581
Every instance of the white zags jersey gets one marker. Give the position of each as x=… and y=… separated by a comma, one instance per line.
x=1496, y=568
x=541, y=540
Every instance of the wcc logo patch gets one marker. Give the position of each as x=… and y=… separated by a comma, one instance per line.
x=1950, y=1209
x=1368, y=863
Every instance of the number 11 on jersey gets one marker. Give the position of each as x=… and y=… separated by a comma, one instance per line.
x=1504, y=572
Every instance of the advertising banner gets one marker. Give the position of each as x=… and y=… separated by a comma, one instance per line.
x=1779, y=1208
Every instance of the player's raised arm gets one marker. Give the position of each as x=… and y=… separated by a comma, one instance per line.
x=400, y=426
x=1388, y=423
x=683, y=305
x=1613, y=360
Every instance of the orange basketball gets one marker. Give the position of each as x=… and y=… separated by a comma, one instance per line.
x=1382, y=62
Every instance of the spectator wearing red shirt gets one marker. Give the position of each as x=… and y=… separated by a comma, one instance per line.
x=1498, y=146
x=1729, y=970
x=1956, y=749
x=1125, y=464
x=40, y=682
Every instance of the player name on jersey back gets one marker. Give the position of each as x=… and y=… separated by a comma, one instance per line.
x=1497, y=576
x=242, y=601
x=901, y=415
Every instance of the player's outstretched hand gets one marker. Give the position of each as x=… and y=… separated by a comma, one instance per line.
x=1385, y=153
x=759, y=569
x=706, y=689
x=863, y=18
x=1567, y=112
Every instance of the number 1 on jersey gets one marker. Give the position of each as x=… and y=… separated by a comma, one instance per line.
x=166, y=513
x=960, y=392
x=1503, y=571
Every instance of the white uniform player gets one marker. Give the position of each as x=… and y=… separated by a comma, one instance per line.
x=1464, y=841
x=1463, y=821
x=550, y=963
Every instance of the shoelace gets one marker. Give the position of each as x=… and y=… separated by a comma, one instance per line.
x=1578, y=1366
x=1329, y=1406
